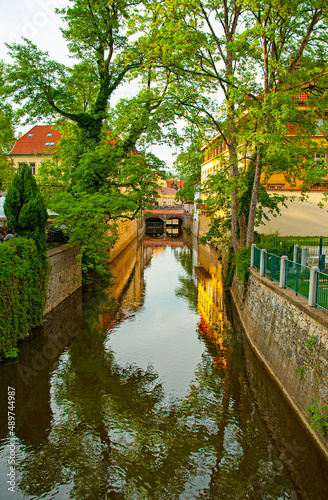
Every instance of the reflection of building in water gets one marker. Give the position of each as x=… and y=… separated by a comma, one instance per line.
x=212, y=325
x=127, y=291
x=210, y=300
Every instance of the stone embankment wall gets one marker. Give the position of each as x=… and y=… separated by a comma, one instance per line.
x=127, y=231
x=291, y=340
x=65, y=277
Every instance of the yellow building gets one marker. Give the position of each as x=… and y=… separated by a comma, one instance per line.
x=216, y=153
x=165, y=197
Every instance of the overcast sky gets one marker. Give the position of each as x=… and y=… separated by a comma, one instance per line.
x=37, y=21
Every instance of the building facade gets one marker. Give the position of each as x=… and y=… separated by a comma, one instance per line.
x=34, y=147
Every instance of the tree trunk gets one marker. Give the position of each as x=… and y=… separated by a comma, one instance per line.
x=255, y=192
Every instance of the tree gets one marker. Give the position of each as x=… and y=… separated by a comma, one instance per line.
x=95, y=181
x=256, y=53
x=91, y=189
x=7, y=137
x=24, y=208
x=188, y=164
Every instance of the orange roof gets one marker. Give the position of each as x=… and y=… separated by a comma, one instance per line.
x=177, y=181
x=40, y=139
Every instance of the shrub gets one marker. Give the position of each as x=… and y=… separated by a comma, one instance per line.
x=23, y=289
x=242, y=263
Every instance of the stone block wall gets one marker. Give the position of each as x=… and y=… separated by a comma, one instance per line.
x=127, y=231
x=65, y=277
x=291, y=339
x=204, y=225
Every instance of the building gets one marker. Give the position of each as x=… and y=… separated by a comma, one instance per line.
x=216, y=153
x=175, y=183
x=165, y=197
x=34, y=147
x=300, y=218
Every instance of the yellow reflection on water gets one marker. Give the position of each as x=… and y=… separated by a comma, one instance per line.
x=213, y=323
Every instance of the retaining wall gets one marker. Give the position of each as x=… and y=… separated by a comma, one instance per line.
x=291, y=340
x=65, y=277
x=127, y=231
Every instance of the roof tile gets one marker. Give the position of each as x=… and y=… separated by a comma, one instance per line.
x=30, y=144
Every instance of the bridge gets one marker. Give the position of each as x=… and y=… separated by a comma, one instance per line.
x=164, y=220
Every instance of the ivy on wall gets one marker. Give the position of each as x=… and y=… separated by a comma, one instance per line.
x=24, y=274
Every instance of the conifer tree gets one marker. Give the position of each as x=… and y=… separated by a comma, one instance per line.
x=24, y=208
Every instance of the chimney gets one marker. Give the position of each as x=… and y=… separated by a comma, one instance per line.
x=20, y=135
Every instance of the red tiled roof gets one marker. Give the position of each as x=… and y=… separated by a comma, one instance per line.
x=177, y=181
x=33, y=142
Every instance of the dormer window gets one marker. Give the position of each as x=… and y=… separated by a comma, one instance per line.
x=29, y=135
x=49, y=144
x=49, y=135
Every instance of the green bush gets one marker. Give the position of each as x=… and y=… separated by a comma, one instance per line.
x=23, y=289
x=242, y=262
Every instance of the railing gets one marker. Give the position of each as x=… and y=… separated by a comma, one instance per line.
x=272, y=268
x=322, y=291
x=257, y=258
x=308, y=282
x=298, y=278
x=305, y=250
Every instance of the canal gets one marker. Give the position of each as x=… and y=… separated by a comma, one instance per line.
x=149, y=391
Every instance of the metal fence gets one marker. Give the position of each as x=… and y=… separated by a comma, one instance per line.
x=309, y=283
x=306, y=250
x=322, y=291
x=257, y=258
x=298, y=278
x=272, y=266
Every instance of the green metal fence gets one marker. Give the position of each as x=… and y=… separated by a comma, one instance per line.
x=272, y=268
x=322, y=291
x=298, y=278
x=284, y=245
x=257, y=258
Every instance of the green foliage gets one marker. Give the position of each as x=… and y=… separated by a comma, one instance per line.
x=24, y=208
x=188, y=164
x=7, y=137
x=105, y=184
x=242, y=262
x=23, y=285
x=11, y=353
x=310, y=343
x=228, y=267
x=319, y=416
x=300, y=371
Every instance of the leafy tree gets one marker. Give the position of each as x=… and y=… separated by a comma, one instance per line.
x=24, y=208
x=7, y=137
x=258, y=54
x=92, y=189
x=100, y=178
x=188, y=164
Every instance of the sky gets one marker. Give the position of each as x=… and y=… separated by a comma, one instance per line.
x=37, y=21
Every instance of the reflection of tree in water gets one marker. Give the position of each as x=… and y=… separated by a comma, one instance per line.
x=187, y=289
x=115, y=436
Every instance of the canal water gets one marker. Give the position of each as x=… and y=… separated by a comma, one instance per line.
x=148, y=390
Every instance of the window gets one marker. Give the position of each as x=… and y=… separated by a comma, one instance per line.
x=49, y=144
x=49, y=135
x=29, y=135
x=320, y=159
x=321, y=126
x=20, y=165
x=32, y=165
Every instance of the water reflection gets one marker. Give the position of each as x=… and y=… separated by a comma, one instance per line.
x=153, y=399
